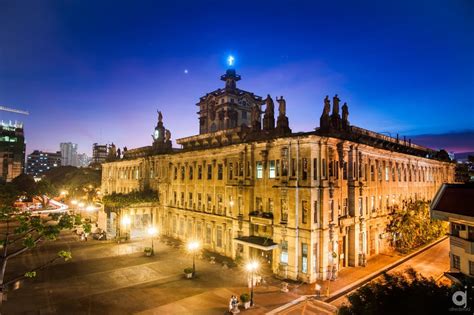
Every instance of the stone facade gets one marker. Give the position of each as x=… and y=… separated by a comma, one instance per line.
x=306, y=204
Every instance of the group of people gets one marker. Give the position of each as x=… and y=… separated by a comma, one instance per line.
x=234, y=305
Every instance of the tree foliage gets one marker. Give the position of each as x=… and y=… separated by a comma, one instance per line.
x=44, y=191
x=412, y=226
x=124, y=200
x=77, y=181
x=21, y=231
x=400, y=293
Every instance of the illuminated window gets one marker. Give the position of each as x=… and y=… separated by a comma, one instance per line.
x=284, y=252
x=304, y=257
x=272, y=173
x=259, y=170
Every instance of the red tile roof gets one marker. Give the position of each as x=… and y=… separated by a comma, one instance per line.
x=455, y=198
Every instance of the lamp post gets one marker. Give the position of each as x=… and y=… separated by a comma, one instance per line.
x=126, y=222
x=193, y=246
x=251, y=268
x=152, y=231
x=231, y=205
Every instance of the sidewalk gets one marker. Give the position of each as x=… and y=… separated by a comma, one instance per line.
x=346, y=281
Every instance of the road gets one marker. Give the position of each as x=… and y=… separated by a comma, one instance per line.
x=430, y=263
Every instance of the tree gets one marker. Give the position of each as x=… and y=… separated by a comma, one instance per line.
x=20, y=231
x=412, y=226
x=77, y=181
x=25, y=184
x=44, y=191
x=400, y=293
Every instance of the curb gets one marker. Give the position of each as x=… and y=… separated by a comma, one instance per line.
x=372, y=276
x=343, y=291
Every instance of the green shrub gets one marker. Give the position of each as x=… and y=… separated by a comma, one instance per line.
x=244, y=297
x=188, y=270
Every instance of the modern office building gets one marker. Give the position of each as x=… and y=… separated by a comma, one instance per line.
x=99, y=153
x=68, y=154
x=306, y=204
x=12, y=150
x=39, y=162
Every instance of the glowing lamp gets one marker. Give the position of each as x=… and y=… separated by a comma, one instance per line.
x=126, y=220
x=230, y=60
x=152, y=231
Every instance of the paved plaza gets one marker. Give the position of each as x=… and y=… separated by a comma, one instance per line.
x=111, y=278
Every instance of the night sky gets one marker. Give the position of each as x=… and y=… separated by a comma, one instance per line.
x=97, y=71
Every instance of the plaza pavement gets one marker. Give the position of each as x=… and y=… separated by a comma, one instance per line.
x=111, y=278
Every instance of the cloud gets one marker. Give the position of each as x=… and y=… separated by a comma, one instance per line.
x=455, y=141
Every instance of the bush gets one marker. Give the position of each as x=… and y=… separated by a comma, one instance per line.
x=188, y=270
x=400, y=293
x=244, y=297
x=148, y=250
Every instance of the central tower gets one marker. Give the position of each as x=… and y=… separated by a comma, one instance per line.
x=228, y=107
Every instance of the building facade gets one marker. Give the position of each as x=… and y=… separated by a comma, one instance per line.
x=68, y=154
x=454, y=203
x=99, y=153
x=305, y=204
x=39, y=162
x=12, y=150
x=83, y=160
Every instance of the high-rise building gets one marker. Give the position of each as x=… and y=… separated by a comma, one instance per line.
x=83, y=160
x=12, y=150
x=99, y=153
x=40, y=162
x=68, y=154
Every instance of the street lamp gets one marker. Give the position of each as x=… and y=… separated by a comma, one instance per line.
x=126, y=222
x=251, y=268
x=193, y=246
x=231, y=205
x=152, y=231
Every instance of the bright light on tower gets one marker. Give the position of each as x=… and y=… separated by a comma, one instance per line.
x=230, y=60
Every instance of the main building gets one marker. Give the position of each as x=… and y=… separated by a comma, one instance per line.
x=306, y=204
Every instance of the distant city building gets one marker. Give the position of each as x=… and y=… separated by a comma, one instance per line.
x=12, y=150
x=69, y=154
x=454, y=203
x=306, y=204
x=83, y=160
x=99, y=153
x=40, y=162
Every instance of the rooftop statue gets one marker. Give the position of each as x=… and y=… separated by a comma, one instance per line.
x=270, y=108
x=160, y=116
x=327, y=106
x=335, y=105
x=255, y=114
x=345, y=112
x=281, y=106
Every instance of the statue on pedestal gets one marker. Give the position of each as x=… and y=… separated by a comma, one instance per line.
x=281, y=106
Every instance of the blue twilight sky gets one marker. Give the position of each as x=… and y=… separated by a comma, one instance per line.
x=97, y=71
